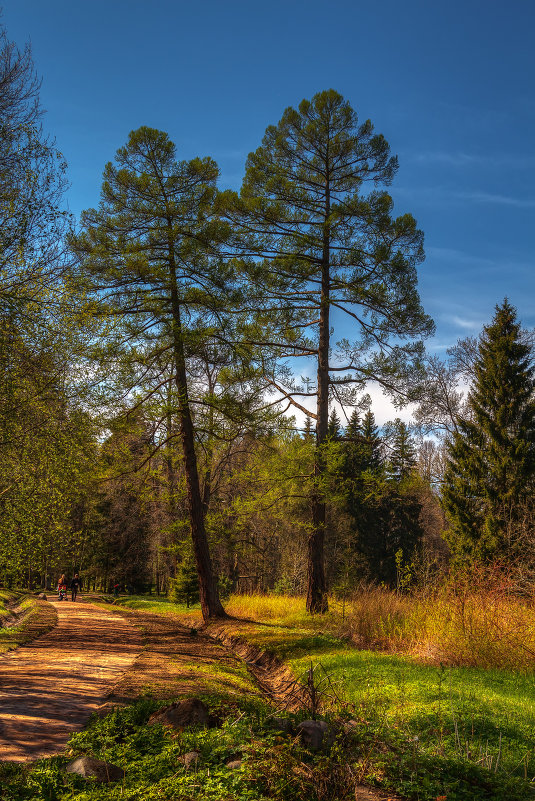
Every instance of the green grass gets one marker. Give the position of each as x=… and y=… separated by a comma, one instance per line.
x=37, y=618
x=159, y=605
x=426, y=731
x=273, y=767
x=7, y=600
x=452, y=711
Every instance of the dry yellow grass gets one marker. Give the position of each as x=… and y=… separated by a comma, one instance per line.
x=476, y=619
x=284, y=609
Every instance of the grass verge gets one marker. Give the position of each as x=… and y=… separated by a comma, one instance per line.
x=426, y=732
x=36, y=618
x=270, y=766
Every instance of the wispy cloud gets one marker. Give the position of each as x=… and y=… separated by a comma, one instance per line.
x=464, y=323
x=462, y=159
x=441, y=195
x=477, y=264
x=498, y=199
x=461, y=257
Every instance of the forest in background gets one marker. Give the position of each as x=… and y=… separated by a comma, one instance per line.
x=151, y=357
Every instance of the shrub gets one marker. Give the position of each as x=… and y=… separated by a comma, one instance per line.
x=473, y=618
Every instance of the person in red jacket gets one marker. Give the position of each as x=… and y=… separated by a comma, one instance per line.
x=62, y=588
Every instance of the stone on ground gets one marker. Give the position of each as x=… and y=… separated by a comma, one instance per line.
x=313, y=733
x=190, y=760
x=182, y=714
x=89, y=767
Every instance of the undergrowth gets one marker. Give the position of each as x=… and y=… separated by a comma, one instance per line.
x=474, y=619
x=444, y=701
x=273, y=766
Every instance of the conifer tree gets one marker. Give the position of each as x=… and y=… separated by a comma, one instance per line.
x=354, y=428
x=491, y=466
x=308, y=432
x=185, y=587
x=321, y=243
x=370, y=433
x=150, y=252
x=333, y=426
x=402, y=451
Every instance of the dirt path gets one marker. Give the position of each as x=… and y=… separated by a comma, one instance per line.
x=49, y=689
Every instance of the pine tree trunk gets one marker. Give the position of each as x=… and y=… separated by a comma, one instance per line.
x=317, y=589
x=210, y=603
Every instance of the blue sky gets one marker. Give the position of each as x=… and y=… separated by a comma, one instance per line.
x=450, y=85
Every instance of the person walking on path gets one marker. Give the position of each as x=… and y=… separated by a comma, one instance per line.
x=76, y=586
x=62, y=588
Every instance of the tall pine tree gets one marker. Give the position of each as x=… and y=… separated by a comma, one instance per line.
x=490, y=473
x=151, y=254
x=322, y=243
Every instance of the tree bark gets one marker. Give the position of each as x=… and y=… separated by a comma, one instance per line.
x=210, y=603
x=317, y=589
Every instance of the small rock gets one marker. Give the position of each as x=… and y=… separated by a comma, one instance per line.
x=42, y=596
x=313, y=733
x=350, y=726
x=190, y=759
x=283, y=725
x=89, y=767
x=182, y=714
x=235, y=764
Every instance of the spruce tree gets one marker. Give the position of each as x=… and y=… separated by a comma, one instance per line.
x=402, y=451
x=308, y=431
x=490, y=473
x=370, y=432
x=333, y=426
x=381, y=501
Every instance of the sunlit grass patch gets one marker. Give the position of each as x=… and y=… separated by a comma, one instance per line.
x=453, y=719
x=158, y=605
x=286, y=609
x=37, y=617
x=4, y=601
x=470, y=715
x=220, y=679
x=474, y=620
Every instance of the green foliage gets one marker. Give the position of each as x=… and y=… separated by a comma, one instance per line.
x=488, y=484
x=402, y=453
x=46, y=441
x=382, y=499
x=150, y=756
x=334, y=426
x=34, y=619
x=184, y=588
x=319, y=240
x=423, y=730
x=151, y=253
